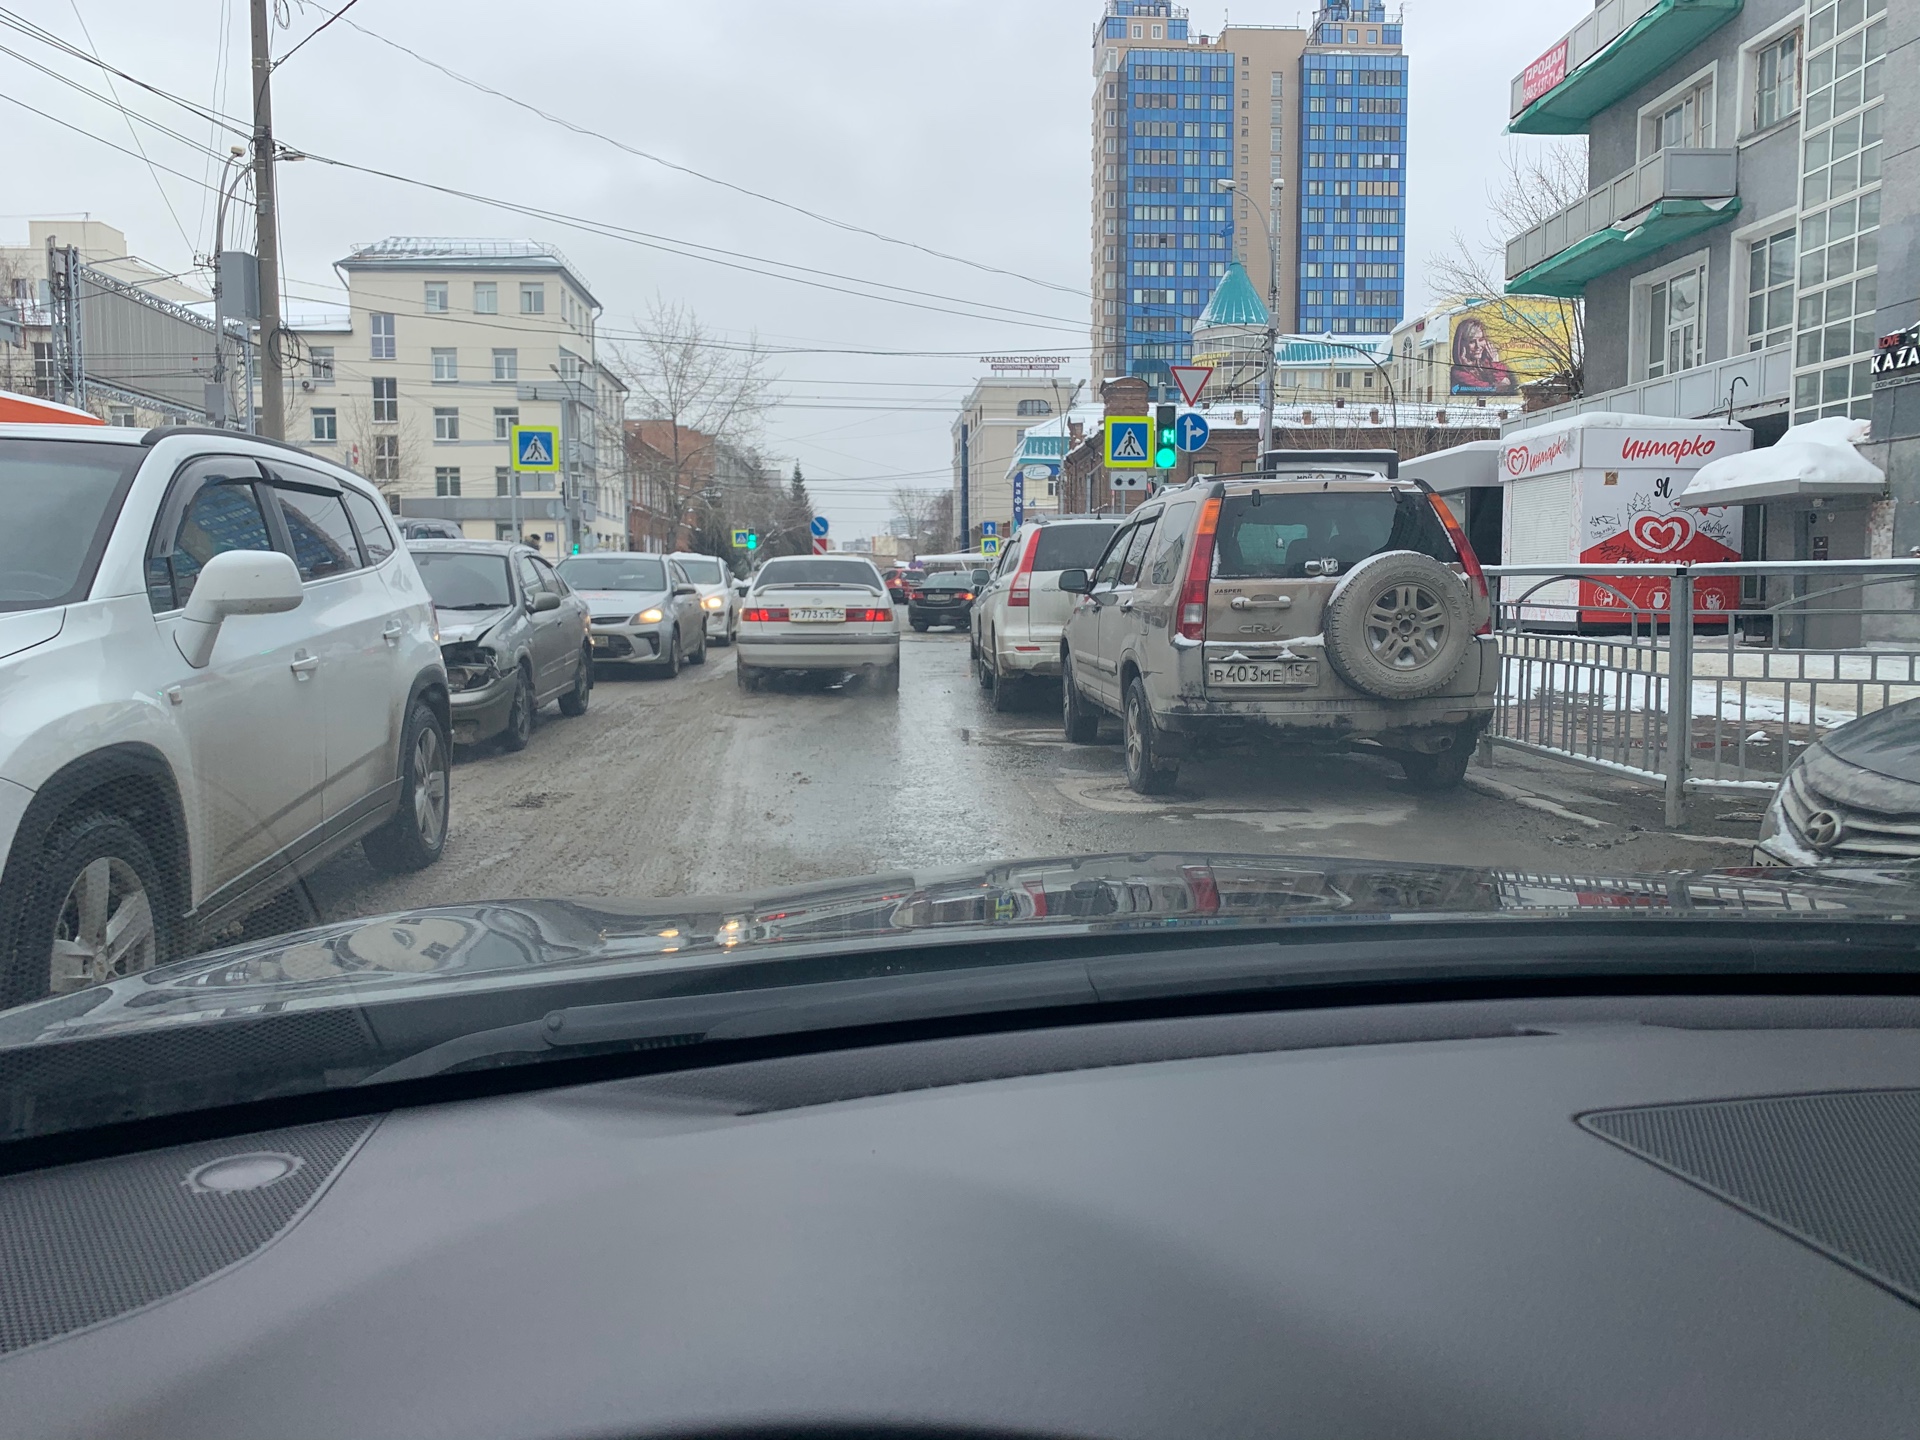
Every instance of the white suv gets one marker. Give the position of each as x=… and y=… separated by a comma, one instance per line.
x=1020, y=611
x=219, y=669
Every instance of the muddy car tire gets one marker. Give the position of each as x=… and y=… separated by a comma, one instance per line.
x=1398, y=626
x=1079, y=719
x=1148, y=771
x=520, y=714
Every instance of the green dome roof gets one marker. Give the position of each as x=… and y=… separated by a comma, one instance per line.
x=1234, y=302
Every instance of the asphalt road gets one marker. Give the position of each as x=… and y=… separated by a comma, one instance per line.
x=672, y=787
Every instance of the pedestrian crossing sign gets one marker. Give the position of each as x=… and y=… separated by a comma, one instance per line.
x=1128, y=442
x=536, y=447
x=990, y=545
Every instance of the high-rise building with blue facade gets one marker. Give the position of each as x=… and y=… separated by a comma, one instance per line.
x=1176, y=113
x=1353, y=141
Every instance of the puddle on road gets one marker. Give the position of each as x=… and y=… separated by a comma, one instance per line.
x=1112, y=797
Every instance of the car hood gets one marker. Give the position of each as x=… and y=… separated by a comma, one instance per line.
x=712, y=942
x=622, y=602
x=457, y=626
x=24, y=629
x=1886, y=742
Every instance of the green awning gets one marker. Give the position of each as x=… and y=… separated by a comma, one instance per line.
x=1567, y=274
x=1637, y=54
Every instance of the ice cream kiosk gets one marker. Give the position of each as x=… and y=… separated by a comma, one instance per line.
x=1603, y=488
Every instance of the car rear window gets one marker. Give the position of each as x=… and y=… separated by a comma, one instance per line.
x=818, y=572
x=459, y=581
x=1071, y=547
x=949, y=582
x=702, y=572
x=61, y=498
x=1273, y=536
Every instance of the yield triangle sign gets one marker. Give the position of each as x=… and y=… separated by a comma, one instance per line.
x=1191, y=379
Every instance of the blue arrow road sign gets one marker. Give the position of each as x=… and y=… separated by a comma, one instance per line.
x=1190, y=431
x=989, y=527
x=819, y=526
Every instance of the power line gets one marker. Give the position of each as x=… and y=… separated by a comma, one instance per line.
x=47, y=37
x=311, y=34
x=579, y=129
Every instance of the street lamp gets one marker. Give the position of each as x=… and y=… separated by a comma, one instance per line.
x=1271, y=344
x=235, y=154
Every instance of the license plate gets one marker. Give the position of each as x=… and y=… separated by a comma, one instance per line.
x=819, y=617
x=1263, y=672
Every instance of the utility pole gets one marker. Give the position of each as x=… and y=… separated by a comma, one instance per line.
x=273, y=400
x=966, y=485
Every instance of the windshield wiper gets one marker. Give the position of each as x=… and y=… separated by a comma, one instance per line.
x=475, y=605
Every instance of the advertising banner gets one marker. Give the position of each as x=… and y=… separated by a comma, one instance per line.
x=1499, y=345
x=1543, y=74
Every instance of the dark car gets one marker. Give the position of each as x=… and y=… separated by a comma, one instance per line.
x=514, y=635
x=1854, y=795
x=902, y=582
x=942, y=600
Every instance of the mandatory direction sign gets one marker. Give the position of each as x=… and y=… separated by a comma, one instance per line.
x=819, y=525
x=536, y=447
x=1128, y=443
x=989, y=527
x=1190, y=431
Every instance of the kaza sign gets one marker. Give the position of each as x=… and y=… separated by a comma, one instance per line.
x=1897, y=359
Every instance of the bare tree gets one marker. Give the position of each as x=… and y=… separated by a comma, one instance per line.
x=926, y=516
x=708, y=396
x=1535, y=184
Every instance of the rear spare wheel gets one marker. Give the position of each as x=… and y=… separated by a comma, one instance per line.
x=1398, y=626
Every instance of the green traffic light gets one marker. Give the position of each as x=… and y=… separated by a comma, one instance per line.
x=1166, y=454
x=753, y=540
x=576, y=547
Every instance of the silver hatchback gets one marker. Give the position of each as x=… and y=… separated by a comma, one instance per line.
x=646, y=612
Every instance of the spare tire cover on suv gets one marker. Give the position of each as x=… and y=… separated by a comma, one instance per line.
x=1398, y=625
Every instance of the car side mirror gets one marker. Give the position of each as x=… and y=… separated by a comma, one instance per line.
x=680, y=590
x=235, y=582
x=1074, y=582
x=546, y=600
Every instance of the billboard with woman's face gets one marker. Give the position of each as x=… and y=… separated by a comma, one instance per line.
x=1498, y=346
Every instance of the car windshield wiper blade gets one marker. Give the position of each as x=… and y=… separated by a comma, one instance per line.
x=476, y=605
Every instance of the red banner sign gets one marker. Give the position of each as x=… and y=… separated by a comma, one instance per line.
x=1543, y=74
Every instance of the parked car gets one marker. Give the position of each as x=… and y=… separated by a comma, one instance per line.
x=513, y=633
x=718, y=603
x=1318, y=606
x=942, y=600
x=896, y=578
x=645, y=611
x=217, y=670
x=1018, y=615
x=819, y=612
x=1854, y=794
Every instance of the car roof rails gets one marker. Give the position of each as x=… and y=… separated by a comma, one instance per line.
x=1367, y=461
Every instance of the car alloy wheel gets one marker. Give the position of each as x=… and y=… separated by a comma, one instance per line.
x=520, y=714
x=430, y=787
x=574, y=702
x=1147, y=773
x=103, y=929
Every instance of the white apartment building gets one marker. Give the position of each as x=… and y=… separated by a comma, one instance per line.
x=993, y=420
x=447, y=345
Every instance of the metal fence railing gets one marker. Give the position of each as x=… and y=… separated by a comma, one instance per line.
x=1702, y=677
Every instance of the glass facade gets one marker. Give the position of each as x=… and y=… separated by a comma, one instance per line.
x=1353, y=153
x=1177, y=224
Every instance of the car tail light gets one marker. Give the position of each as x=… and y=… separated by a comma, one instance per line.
x=1204, y=889
x=964, y=595
x=866, y=614
x=1021, y=591
x=1192, y=621
x=1469, y=561
x=762, y=614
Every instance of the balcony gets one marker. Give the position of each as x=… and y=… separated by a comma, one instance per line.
x=1753, y=383
x=1606, y=57
x=1665, y=198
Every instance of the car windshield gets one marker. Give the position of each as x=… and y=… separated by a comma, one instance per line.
x=1276, y=533
x=714, y=498
x=817, y=572
x=61, y=497
x=1071, y=547
x=460, y=580
x=614, y=572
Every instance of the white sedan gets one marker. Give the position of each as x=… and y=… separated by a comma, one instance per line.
x=819, y=612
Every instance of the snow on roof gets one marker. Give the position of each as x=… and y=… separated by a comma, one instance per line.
x=1817, y=458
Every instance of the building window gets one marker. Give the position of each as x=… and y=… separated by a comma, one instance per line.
x=1033, y=407
x=446, y=480
x=386, y=400
x=436, y=297
x=506, y=364
x=446, y=364
x=1682, y=123
x=1136, y=32
x=533, y=298
x=1675, y=338
x=1770, y=267
x=120, y=415
x=446, y=424
x=503, y=480
x=382, y=335
x=569, y=365
x=386, y=457
x=503, y=422
x=320, y=363
x=1776, y=81
x=486, y=297
x=326, y=429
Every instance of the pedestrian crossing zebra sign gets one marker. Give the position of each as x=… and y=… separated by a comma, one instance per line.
x=1128, y=444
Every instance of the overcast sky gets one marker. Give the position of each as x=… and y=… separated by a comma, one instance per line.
x=959, y=127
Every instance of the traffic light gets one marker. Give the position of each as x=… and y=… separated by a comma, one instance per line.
x=1166, y=448
x=753, y=539
x=576, y=547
